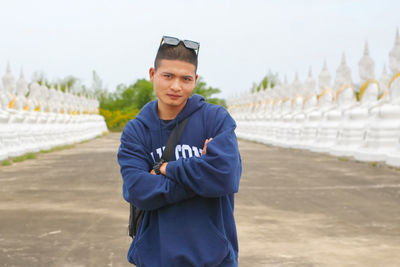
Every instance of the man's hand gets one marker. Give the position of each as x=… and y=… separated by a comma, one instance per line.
x=163, y=169
x=205, y=146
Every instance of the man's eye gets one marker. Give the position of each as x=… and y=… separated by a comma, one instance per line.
x=187, y=79
x=167, y=75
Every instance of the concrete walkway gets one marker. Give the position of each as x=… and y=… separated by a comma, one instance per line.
x=294, y=208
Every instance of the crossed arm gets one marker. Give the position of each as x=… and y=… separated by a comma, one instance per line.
x=216, y=173
x=163, y=167
x=140, y=188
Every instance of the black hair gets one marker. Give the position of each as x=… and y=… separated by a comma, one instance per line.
x=176, y=52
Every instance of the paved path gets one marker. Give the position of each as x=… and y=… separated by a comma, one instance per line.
x=294, y=208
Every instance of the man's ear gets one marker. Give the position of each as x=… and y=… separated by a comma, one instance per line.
x=151, y=74
x=195, y=79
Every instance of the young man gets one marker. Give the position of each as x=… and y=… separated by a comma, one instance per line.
x=189, y=205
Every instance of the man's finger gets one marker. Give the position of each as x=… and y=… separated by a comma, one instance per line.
x=205, y=146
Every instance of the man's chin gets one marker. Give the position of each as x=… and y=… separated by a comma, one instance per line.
x=175, y=104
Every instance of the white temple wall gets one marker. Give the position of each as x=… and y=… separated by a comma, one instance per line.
x=38, y=118
x=333, y=121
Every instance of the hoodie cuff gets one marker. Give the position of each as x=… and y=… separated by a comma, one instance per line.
x=170, y=171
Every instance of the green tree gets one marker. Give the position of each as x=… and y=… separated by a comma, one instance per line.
x=124, y=104
x=207, y=92
x=144, y=92
x=269, y=79
x=98, y=89
x=69, y=81
x=129, y=97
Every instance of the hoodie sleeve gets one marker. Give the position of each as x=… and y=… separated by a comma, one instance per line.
x=217, y=173
x=144, y=190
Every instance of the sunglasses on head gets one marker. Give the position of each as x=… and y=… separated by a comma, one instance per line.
x=175, y=41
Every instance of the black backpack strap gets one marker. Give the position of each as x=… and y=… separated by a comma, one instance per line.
x=174, y=136
x=135, y=217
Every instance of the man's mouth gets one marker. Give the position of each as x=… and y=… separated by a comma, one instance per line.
x=173, y=97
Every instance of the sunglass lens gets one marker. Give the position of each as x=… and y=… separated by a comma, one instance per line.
x=191, y=44
x=171, y=40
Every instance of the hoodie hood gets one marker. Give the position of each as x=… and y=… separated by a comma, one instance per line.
x=149, y=114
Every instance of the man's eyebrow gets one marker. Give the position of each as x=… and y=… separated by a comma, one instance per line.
x=183, y=76
x=169, y=73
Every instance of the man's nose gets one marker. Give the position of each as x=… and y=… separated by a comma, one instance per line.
x=176, y=85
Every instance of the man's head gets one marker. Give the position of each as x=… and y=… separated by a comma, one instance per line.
x=174, y=75
x=175, y=52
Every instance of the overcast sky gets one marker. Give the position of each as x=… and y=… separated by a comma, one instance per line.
x=240, y=40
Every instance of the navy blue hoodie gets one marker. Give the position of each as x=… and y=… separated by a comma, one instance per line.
x=189, y=213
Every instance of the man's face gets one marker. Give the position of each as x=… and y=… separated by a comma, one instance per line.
x=173, y=82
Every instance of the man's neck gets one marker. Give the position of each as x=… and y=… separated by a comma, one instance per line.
x=167, y=112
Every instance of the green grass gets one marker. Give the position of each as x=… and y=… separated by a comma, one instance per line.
x=19, y=159
x=31, y=156
x=97, y=137
x=57, y=148
x=6, y=163
x=9, y=162
x=343, y=158
x=25, y=157
x=373, y=164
